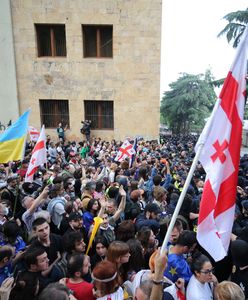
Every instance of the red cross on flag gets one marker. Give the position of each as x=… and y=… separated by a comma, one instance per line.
x=39, y=156
x=126, y=150
x=220, y=155
x=33, y=133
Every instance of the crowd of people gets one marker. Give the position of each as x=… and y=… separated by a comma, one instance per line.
x=89, y=227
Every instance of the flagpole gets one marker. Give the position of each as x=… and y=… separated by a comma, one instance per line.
x=207, y=128
x=181, y=198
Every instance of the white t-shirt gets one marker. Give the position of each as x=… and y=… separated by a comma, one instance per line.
x=197, y=290
x=115, y=296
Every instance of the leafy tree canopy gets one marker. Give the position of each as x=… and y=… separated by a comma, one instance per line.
x=237, y=22
x=190, y=100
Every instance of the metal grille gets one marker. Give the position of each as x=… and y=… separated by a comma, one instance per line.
x=101, y=114
x=51, y=40
x=53, y=112
x=98, y=40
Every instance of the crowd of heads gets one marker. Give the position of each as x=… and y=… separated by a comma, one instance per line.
x=92, y=227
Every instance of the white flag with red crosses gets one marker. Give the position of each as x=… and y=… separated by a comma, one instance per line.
x=39, y=156
x=126, y=150
x=33, y=133
x=220, y=157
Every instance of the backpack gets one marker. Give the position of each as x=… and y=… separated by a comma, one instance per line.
x=132, y=210
x=83, y=129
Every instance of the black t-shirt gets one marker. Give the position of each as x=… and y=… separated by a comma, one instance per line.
x=241, y=278
x=32, y=282
x=55, y=246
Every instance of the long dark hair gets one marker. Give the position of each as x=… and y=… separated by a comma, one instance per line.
x=136, y=260
x=143, y=236
x=90, y=205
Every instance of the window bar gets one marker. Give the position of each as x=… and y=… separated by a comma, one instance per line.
x=52, y=42
x=98, y=43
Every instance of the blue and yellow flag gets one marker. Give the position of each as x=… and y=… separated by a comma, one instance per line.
x=12, y=141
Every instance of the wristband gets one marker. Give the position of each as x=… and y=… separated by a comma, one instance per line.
x=157, y=282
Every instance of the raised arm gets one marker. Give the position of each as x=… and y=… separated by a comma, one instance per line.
x=160, y=265
x=39, y=200
x=103, y=203
x=122, y=204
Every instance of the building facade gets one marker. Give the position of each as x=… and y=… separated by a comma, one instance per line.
x=76, y=59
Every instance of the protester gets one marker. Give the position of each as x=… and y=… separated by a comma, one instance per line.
x=118, y=253
x=61, y=132
x=105, y=278
x=31, y=282
x=77, y=267
x=134, y=201
x=227, y=290
x=177, y=266
x=202, y=283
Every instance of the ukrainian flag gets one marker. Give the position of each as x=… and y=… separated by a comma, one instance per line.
x=12, y=141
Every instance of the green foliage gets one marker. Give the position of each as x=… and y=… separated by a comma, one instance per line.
x=190, y=100
x=237, y=22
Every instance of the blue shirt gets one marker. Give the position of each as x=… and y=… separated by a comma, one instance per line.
x=177, y=267
x=5, y=272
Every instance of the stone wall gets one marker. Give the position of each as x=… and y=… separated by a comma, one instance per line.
x=131, y=78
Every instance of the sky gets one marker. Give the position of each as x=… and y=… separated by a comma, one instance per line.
x=189, y=38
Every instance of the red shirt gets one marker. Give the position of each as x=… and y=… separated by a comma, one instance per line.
x=82, y=290
x=22, y=172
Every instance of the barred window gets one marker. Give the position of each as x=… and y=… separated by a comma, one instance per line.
x=98, y=40
x=101, y=114
x=51, y=40
x=53, y=112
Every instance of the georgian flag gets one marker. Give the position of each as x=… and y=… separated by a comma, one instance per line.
x=221, y=140
x=33, y=133
x=126, y=150
x=39, y=156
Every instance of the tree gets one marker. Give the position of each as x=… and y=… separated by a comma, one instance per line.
x=188, y=103
x=237, y=22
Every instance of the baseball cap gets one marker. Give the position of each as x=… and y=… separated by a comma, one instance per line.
x=74, y=216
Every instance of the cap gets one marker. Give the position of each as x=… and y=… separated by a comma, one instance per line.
x=74, y=216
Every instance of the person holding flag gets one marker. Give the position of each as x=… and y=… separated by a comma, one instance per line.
x=39, y=156
x=126, y=151
x=218, y=150
x=33, y=133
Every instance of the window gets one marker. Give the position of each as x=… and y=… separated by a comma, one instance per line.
x=51, y=40
x=98, y=40
x=101, y=114
x=53, y=112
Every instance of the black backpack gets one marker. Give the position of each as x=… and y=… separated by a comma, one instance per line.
x=132, y=210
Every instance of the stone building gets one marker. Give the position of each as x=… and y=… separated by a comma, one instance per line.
x=70, y=60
